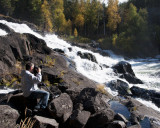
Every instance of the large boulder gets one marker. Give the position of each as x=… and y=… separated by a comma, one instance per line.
x=61, y=107
x=123, y=67
x=91, y=100
x=125, y=70
x=88, y=56
x=79, y=118
x=8, y=116
x=43, y=122
x=100, y=118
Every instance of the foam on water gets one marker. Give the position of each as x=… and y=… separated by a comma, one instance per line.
x=144, y=69
x=3, y=33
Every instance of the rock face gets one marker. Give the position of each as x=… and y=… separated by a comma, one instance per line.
x=61, y=107
x=8, y=116
x=88, y=56
x=126, y=71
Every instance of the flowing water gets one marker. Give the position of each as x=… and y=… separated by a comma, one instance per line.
x=148, y=70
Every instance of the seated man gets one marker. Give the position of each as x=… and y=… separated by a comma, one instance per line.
x=29, y=86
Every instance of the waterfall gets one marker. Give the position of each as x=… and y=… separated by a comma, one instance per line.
x=145, y=69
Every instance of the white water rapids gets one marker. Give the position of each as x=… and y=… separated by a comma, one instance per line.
x=145, y=69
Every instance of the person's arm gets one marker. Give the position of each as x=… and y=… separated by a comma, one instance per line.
x=37, y=78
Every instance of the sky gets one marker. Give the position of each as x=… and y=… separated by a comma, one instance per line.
x=121, y=1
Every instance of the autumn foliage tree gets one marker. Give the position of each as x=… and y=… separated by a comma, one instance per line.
x=113, y=17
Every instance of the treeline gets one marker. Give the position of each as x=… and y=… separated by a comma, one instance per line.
x=129, y=28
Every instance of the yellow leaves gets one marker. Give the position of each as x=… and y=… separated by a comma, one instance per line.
x=113, y=16
x=79, y=21
x=75, y=32
x=49, y=61
x=46, y=15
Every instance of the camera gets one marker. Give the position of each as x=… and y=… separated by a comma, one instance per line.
x=35, y=69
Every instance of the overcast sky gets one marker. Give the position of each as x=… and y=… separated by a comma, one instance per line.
x=121, y=1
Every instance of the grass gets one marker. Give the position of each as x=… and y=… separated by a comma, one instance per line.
x=26, y=123
x=101, y=88
x=49, y=61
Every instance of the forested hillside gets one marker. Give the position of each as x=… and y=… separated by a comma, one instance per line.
x=131, y=28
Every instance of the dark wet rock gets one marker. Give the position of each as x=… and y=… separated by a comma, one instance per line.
x=6, y=28
x=70, y=49
x=126, y=71
x=131, y=79
x=100, y=118
x=146, y=94
x=116, y=124
x=120, y=117
x=123, y=67
x=58, y=50
x=8, y=116
x=61, y=107
x=79, y=118
x=121, y=86
x=88, y=56
x=43, y=122
x=38, y=44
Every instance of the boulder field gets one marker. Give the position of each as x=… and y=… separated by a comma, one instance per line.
x=75, y=101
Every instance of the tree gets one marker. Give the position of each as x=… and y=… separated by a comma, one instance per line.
x=47, y=23
x=75, y=32
x=6, y=7
x=113, y=17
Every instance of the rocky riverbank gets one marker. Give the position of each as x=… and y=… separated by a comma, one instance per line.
x=76, y=101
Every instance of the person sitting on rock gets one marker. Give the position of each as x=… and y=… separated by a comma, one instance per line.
x=30, y=89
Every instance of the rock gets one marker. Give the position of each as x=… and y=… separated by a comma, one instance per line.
x=155, y=123
x=20, y=102
x=100, y=118
x=38, y=44
x=8, y=116
x=61, y=107
x=146, y=94
x=70, y=49
x=79, y=118
x=116, y=124
x=139, y=110
x=58, y=50
x=120, y=117
x=131, y=79
x=88, y=56
x=135, y=126
x=121, y=86
x=123, y=67
x=43, y=122
x=91, y=100
x=6, y=28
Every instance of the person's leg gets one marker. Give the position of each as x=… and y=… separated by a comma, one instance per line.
x=43, y=95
